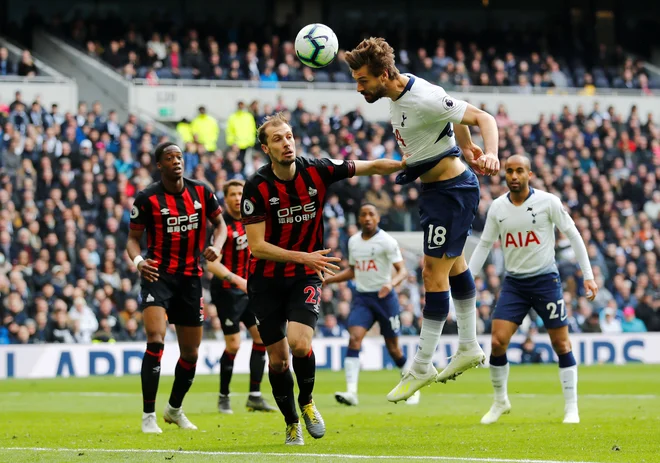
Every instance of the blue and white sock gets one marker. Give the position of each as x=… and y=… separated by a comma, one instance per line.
x=435, y=315
x=464, y=294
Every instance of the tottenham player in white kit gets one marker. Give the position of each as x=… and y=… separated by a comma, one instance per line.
x=524, y=220
x=431, y=129
x=372, y=254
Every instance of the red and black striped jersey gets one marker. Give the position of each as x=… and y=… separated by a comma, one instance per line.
x=175, y=224
x=292, y=210
x=235, y=252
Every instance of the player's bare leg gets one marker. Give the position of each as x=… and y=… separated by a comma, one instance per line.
x=190, y=337
x=393, y=348
x=304, y=364
x=155, y=325
x=422, y=372
x=463, y=292
x=256, y=401
x=232, y=344
x=352, y=366
x=502, y=331
x=568, y=373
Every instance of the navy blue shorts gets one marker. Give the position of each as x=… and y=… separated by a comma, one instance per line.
x=447, y=210
x=368, y=308
x=542, y=293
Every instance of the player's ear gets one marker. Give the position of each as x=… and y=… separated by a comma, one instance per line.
x=264, y=148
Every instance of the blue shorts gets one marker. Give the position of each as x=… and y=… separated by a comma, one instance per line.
x=542, y=293
x=368, y=308
x=447, y=210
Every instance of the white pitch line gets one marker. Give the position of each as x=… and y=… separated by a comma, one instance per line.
x=239, y=394
x=284, y=455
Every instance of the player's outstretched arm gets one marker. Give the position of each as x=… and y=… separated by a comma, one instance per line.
x=261, y=249
x=486, y=241
x=378, y=167
x=344, y=275
x=489, y=163
x=148, y=268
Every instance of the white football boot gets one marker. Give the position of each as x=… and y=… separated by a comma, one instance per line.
x=149, y=424
x=411, y=382
x=466, y=357
x=498, y=409
x=176, y=416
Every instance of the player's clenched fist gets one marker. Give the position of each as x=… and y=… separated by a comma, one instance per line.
x=489, y=164
x=211, y=254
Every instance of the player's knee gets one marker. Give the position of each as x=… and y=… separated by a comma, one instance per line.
x=393, y=350
x=561, y=346
x=355, y=342
x=300, y=347
x=232, y=344
x=189, y=353
x=155, y=336
x=278, y=363
x=499, y=344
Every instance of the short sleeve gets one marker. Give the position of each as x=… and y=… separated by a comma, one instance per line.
x=438, y=106
x=335, y=169
x=559, y=215
x=213, y=208
x=139, y=212
x=253, y=209
x=394, y=252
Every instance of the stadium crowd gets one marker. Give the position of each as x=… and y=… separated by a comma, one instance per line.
x=24, y=67
x=526, y=59
x=67, y=183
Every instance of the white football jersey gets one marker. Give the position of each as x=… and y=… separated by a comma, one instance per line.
x=372, y=260
x=526, y=232
x=422, y=119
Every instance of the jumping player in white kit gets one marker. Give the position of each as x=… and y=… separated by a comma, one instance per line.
x=524, y=220
x=372, y=253
x=431, y=129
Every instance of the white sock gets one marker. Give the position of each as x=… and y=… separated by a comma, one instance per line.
x=569, y=380
x=352, y=370
x=466, y=319
x=144, y=415
x=255, y=394
x=429, y=338
x=499, y=376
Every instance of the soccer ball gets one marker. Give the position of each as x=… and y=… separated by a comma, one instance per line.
x=316, y=45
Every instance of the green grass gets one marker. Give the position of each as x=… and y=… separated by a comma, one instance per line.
x=619, y=408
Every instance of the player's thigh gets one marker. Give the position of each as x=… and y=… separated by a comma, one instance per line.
x=300, y=337
x=447, y=210
x=460, y=266
x=387, y=310
x=186, y=308
x=361, y=315
x=266, y=302
x=548, y=301
x=514, y=303
x=356, y=335
x=254, y=334
x=303, y=299
x=156, y=297
x=155, y=323
x=246, y=316
x=232, y=342
x=229, y=310
x=278, y=355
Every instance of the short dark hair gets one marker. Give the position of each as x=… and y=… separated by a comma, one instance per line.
x=376, y=54
x=231, y=183
x=160, y=149
x=275, y=120
x=365, y=204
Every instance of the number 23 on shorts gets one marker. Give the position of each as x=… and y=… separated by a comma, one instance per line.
x=436, y=237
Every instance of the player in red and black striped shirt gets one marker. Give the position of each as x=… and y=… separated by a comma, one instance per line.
x=282, y=209
x=229, y=294
x=174, y=214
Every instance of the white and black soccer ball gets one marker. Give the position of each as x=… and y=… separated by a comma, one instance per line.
x=316, y=45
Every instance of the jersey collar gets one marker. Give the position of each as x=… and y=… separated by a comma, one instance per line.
x=411, y=81
x=531, y=192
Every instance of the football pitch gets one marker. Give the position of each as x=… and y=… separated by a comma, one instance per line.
x=98, y=420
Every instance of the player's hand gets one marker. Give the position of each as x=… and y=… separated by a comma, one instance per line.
x=211, y=254
x=148, y=268
x=489, y=164
x=241, y=283
x=591, y=288
x=320, y=262
x=385, y=290
x=404, y=160
x=471, y=154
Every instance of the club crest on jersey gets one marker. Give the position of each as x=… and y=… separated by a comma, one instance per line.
x=517, y=240
x=403, y=119
x=312, y=191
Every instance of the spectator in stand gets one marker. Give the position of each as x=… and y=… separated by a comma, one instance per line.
x=241, y=129
x=6, y=65
x=205, y=129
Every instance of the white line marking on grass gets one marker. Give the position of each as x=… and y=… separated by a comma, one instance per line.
x=284, y=455
x=239, y=394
